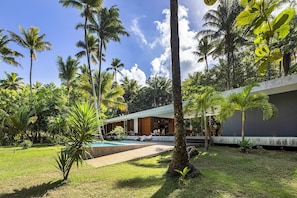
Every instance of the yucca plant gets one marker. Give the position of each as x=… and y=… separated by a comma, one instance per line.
x=82, y=122
x=63, y=163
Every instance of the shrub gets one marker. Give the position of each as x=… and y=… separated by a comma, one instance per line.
x=26, y=144
x=245, y=145
x=119, y=131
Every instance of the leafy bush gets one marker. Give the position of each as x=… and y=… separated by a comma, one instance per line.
x=26, y=144
x=119, y=131
x=245, y=145
x=60, y=139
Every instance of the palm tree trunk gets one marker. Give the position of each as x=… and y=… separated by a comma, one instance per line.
x=242, y=125
x=99, y=75
x=206, y=132
x=228, y=70
x=31, y=67
x=206, y=63
x=180, y=157
x=91, y=76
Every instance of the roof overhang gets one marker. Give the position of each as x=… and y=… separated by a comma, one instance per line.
x=271, y=87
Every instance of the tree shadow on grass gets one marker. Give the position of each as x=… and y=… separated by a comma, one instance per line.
x=168, y=184
x=146, y=165
x=139, y=182
x=34, y=191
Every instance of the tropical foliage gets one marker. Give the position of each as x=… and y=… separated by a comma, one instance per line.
x=83, y=126
x=32, y=41
x=257, y=15
x=203, y=102
x=12, y=81
x=244, y=101
x=8, y=55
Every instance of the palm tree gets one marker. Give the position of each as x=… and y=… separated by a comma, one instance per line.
x=131, y=89
x=244, y=101
x=201, y=103
x=180, y=157
x=83, y=122
x=160, y=89
x=204, y=49
x=115, y=65
x=108, y=27
x=12, y=81
x=67, y=71
x=222, y=31
x=33, y=42
x=20, y=121
x=93, y=49
x=6, y=54
x=88, y=7
x=111, y=93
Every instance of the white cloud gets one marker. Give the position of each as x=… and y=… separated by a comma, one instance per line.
x=137, y=31
x=134, y=73
x=188, y=61
x=139, y=34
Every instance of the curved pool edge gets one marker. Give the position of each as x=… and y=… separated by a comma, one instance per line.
x=107, y=150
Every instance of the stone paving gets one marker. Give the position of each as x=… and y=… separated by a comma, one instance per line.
x=154, y=149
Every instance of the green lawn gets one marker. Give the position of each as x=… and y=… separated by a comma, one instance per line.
x=225, y=173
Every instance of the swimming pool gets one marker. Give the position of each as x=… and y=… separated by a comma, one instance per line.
x=117, y=143
x=98, y=149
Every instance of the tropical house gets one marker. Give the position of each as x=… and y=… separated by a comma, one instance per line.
x=279, y=131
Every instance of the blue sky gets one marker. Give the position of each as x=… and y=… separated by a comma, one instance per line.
x=145, y=53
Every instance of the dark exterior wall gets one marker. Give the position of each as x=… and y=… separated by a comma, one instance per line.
x=284, y=125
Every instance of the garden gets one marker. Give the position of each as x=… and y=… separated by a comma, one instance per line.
x=225, y=172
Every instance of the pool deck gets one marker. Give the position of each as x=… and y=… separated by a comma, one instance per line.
x=154, y=149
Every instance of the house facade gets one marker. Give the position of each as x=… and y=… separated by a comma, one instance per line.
x=282, y=93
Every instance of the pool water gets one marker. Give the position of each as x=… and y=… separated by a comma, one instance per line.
x=109, y=147
x=118, y=143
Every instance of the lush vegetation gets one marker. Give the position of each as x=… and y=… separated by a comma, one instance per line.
x=43, y=113
x=225, y=173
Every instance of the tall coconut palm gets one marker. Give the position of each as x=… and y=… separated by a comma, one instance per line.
x=131, y=89
x=33, y=42
x=115, y=65
x=89, y=8
x=203, y=50
x=222, y=30
x=12, y=81
x=93, y=49
x=67, y=71
x=244, y=101
x=180, y=157
x=201, y=103
x=160, y=89
x=111, y=93
x=8, y=55
x=108, y=26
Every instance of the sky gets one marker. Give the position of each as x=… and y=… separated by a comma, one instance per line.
x=145, y=53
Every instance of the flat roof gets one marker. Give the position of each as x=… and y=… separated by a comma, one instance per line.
x=271, y=87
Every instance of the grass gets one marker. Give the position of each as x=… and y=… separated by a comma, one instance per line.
x=225, y=173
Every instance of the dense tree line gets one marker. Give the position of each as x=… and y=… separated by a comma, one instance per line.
x=246, y=45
